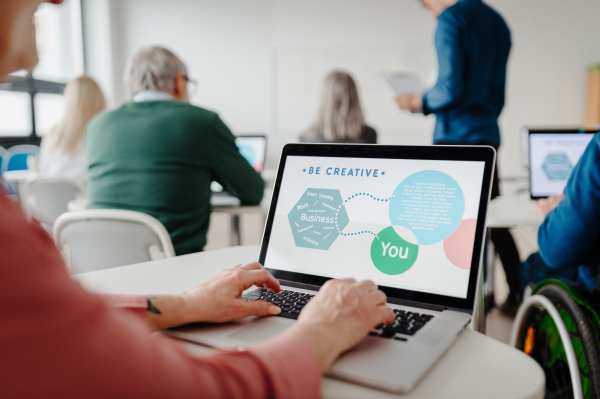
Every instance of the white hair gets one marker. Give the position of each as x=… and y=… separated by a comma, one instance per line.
x=152, y=68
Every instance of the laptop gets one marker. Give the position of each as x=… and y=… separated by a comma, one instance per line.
x=552, y=156
x=253, y=147
x=410, y=218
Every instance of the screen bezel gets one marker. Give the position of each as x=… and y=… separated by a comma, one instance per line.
x=531, y=132
x=437, y=153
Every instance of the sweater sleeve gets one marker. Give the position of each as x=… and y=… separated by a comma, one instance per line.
x=60, y=341
x=569, y=233
x=231, y=169
x=135, y=303
x=451, y=58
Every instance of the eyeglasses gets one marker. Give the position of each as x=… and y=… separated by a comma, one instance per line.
x=192, y=85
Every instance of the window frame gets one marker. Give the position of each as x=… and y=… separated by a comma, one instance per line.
x=32, y=86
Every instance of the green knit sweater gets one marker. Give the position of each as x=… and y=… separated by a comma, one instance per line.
x=159, y=157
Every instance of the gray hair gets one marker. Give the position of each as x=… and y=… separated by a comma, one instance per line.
x=152, y=68
x=340, y=117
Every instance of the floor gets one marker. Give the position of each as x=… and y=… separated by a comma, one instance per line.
x=498, y=325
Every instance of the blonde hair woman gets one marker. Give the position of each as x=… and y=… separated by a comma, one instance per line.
x=62, y=150
x=340, y=118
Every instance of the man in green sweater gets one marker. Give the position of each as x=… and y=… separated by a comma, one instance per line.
x=158, y=154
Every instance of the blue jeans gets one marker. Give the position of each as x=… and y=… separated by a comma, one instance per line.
x=534, y=270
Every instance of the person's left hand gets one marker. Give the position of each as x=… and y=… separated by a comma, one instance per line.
x=218, y=300
x=410, y=102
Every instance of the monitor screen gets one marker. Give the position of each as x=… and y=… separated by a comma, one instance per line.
x=552, y=157
x=253, y=148
x=402, y=223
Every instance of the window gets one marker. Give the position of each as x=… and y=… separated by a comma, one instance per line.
x=31, y=104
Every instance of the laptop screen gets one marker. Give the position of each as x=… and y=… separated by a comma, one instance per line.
x=407, y=224
x=552, y=157
x=253, y=148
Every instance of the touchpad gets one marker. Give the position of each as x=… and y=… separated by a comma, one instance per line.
x=262, y=329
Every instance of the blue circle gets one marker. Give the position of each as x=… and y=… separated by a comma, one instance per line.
x=429, y=203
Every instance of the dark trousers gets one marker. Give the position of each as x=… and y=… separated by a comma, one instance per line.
x=503, y=241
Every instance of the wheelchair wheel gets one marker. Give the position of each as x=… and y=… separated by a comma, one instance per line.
x=539, y=337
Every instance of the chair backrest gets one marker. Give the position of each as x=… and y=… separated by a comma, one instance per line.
x=2, y=158
x=98, y=239
x=45, y=198
x=16, y=157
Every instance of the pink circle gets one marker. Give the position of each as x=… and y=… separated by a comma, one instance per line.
x=459, y=246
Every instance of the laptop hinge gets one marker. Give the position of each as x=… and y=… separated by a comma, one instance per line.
x=414, y=304
x=299, y=285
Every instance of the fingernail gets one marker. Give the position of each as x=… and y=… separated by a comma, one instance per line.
x=274, y=310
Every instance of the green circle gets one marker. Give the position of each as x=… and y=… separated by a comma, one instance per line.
x=391, y=254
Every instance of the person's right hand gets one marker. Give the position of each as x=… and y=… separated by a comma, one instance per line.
x=546, y=205
x=340, y=316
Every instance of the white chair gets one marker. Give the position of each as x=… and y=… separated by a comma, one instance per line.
x=3, y=157
x=45, y=198
x=98, y=239
x=16, y=157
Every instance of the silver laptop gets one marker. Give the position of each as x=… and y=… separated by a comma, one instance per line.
x=553, y=154
x=411, y=219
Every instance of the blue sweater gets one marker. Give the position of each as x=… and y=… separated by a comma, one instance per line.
x=472, y=43
x=569, y=238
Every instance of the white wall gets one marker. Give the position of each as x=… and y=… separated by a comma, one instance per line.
x=246, y=54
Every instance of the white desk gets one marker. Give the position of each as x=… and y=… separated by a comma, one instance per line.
x=475, y=367
x=16, y=176
x=506, y=212
x=512, y=212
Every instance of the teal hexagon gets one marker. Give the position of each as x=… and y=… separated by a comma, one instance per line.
x=557, y=166
x=318, y=218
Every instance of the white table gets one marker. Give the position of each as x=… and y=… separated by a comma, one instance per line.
x=16, y=176
x=506, y=212
x=476, y=366
x=512, y=211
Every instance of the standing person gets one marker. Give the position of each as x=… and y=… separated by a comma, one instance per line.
x=158, y=154
x=60, y=341
x=62, y=151
x=340, y=118
x=472, y=43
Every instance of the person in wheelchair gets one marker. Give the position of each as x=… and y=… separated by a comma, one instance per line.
x=569, y=237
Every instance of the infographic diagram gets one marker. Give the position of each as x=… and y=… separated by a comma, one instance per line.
x=557, y=166
x=426, y=208
x=318, y=218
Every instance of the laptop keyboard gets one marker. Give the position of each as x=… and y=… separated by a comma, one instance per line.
x=407, y=323
x=292, y=302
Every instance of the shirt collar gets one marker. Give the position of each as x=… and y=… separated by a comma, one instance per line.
x=152, y=95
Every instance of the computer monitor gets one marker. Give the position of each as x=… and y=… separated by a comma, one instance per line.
x=552, y=156
x=253, y=147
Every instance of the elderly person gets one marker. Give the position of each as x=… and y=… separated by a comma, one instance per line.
x=60, y=341
x=158, y=154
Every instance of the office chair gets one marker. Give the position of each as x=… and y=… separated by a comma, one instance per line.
x=16, y=157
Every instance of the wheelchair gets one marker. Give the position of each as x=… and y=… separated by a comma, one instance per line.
x=559, y=327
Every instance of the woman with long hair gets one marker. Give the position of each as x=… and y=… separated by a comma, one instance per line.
x=340, y=118
x=62, y=151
